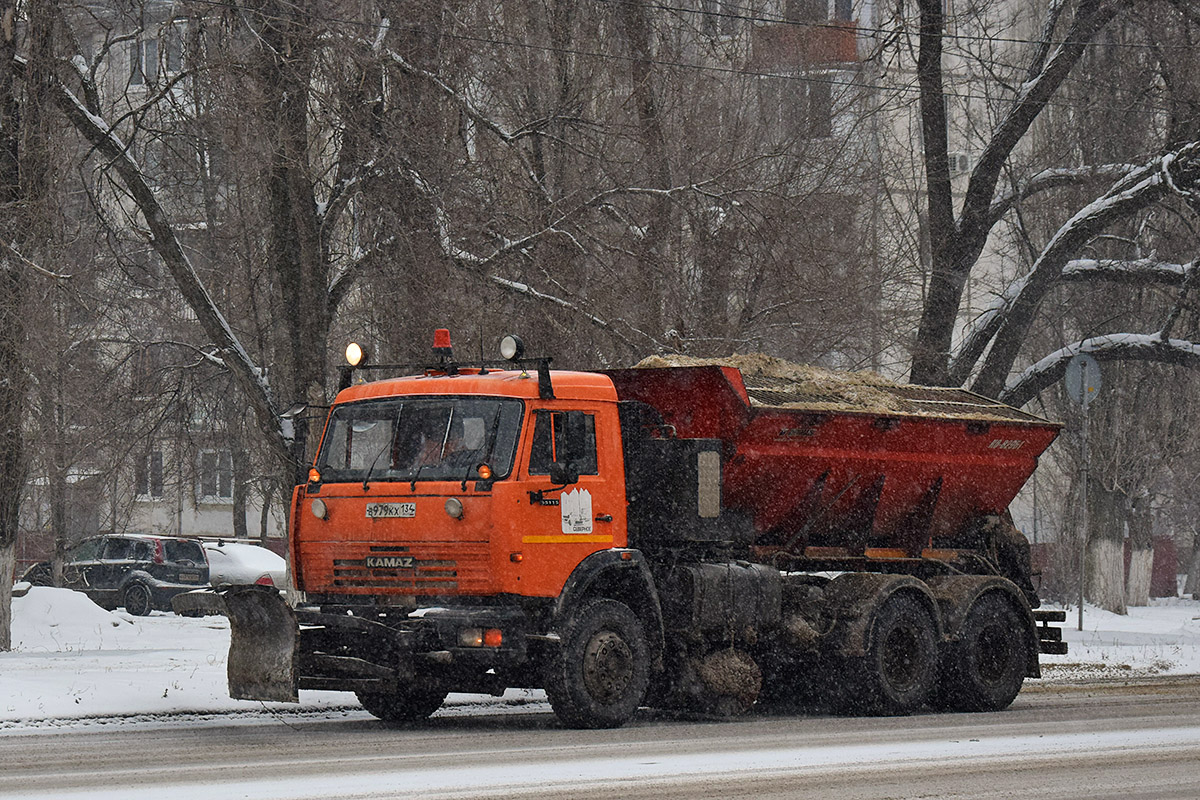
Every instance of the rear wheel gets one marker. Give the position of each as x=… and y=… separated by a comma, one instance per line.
x=408, y=703
x=900, y=669
x=137, y=600
x=985, y=669
x=599, y=675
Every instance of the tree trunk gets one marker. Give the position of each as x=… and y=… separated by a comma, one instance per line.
x=1192, y=584
x=1106, y=552
x=8, y=564
x=1141, y=548
x=240, y=464
x=264, y=519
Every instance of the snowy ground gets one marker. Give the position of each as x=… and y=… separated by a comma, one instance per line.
x=74, y=664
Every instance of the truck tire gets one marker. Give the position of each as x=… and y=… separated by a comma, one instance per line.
x=985, y=669
x=899, y=671
x=137, y=600
x=601, y=671
x=408, y=703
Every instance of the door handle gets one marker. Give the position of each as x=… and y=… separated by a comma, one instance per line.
x=604, y=518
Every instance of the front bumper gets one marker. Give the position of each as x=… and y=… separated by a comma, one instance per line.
x=275, y=650
x=366, y=649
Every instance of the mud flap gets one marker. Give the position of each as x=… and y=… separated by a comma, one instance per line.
x=264, y=648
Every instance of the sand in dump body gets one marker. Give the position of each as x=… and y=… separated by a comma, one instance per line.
x=812, y=387
x=777, y=383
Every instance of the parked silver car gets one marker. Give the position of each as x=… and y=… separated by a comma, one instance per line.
x=238, y=562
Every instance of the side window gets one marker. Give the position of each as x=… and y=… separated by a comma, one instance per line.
x=142, y=551
x=117, y=549
x=550, y=444
x=86, y=551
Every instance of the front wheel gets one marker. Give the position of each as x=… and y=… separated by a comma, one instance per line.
x=600, y=674
x=137, y=600
x=407, y=703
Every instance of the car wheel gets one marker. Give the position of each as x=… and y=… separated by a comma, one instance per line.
x=601, y=672
x=137, y=600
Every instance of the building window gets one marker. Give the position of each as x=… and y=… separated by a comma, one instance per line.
x=843, y=10
x=143, y=62
x=152, y=56
x=148, y=475
x=801, y=107
x=805, y=10
x=216, y=475
x=720, y=17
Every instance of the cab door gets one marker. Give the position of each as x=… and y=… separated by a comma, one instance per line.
x=574, y=471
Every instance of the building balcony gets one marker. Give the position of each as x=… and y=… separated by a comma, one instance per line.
x=797, y=47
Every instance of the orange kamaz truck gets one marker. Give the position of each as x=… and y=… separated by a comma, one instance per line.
x=690, y=537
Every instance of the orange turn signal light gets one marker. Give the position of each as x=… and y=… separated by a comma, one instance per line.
x=485, y=472
x=314, y=476
x=493, y=637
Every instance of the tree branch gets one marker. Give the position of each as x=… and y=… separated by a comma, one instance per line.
x=1003, y=325
x=105, y=140
x=1110, y=347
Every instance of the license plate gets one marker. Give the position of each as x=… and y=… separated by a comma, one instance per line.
x=189, y=577
x=391, y=510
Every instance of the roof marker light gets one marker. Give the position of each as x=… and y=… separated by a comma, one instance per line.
x=441, y=342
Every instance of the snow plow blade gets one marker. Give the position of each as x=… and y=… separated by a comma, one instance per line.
x=263, y=645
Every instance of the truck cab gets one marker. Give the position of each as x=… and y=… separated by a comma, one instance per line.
x=462, y=485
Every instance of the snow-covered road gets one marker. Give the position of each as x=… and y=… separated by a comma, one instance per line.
x=1055, y=742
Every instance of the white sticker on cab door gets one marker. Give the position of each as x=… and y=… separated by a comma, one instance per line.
x=576, y=508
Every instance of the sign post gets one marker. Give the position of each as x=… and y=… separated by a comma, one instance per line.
x=1083, y=383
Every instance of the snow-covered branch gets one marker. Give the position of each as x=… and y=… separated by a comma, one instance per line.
x=1003, y=324
x=468, y=108
x=1111, y=347
x=1057, y=178
x=1136, y=272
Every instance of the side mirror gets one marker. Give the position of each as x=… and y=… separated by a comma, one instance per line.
x=563, y=474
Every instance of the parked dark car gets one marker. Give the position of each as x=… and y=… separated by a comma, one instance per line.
x=139, y=572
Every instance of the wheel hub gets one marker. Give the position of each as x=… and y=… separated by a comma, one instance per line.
x=607, y=666
x=901, y=665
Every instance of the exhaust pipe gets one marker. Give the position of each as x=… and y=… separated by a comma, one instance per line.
x=264, y=651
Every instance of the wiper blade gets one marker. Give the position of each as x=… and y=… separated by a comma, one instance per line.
x=386, y=446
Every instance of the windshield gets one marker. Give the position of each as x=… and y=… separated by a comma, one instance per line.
x=420, y=439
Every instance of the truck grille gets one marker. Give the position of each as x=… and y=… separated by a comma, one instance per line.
x=425, y=568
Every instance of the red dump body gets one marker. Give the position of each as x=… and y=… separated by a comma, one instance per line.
x=809, y=471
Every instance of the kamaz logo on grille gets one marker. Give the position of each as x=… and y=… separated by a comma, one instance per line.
x=394, y=562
